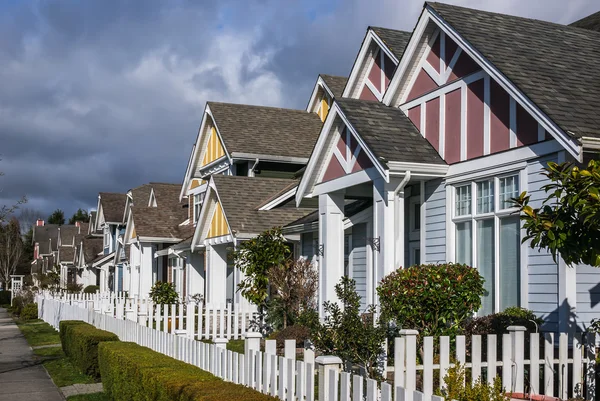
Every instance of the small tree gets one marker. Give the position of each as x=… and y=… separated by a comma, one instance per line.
x=163, y=293
x=57, y=217
x=433, y=299
x=11, y=249
x=255, y=258
x=353, y=337
x=79, y=215
x=567, y=223
x=294, y=285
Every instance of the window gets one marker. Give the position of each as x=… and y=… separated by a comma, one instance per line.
x=198, y=199
x=106, y=237
x=487, y=236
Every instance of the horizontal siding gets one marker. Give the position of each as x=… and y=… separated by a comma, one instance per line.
x=435, y=221
x=588, y=294
x=359, y=261
x=541, y=269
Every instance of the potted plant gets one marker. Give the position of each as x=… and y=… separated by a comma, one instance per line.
x=163, y=293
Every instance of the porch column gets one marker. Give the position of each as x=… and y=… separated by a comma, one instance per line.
x=216, y=274
x=331, y=237
x=388, y=231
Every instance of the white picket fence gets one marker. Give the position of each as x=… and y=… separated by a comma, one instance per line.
x=561, y=366
x=201, y=322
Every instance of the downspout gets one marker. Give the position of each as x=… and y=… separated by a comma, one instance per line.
x=251, y=171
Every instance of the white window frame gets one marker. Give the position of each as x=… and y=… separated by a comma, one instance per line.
x=107, y=239
x=197, y=201
x=497, y=214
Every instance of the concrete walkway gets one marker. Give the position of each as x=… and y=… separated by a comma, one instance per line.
x=21, y=377
x=76, y=389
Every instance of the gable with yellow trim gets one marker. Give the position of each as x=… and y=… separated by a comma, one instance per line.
x=218, y=223
x=214, y=148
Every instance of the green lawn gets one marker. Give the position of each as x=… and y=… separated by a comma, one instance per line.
x=89, y=397
x=64, y=373
x=236, y=346
x=53, y=352
x=38, y=333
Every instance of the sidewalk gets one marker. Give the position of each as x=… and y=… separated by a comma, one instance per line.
x=20, y=377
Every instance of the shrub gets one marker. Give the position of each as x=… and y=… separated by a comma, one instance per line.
x=295, y=332
x=80, y=343
x=74, y=288
x=63, y=328
x=345, y=333
x=91, y=289
x=433, y=299
x=497, y=323
x=163, y=293
x=133, y=372
x=18, y=303
x=4, y=297
x=29, y=312
x=456, y=389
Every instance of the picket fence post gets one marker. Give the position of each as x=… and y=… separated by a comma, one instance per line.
x=327, y=363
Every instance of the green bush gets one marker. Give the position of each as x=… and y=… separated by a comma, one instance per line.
x=163, y=294
x=133, y=372
x=63, y=328
x=29, y=312
x=497, y=323
x=4, y=297
x=80, y=343
x=433, y=299
x=91, y=289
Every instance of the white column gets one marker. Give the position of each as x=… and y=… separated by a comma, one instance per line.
x=331, y=236
x=216, y=278
x=384, y=227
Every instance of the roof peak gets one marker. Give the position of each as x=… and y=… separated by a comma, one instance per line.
x=256, y=106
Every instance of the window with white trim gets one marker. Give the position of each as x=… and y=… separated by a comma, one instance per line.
x=487, y=237
x=106, y=236
x=198, y=200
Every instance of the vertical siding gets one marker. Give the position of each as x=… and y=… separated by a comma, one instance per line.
x=359, y=261
x=435, y=221
x=542, y=271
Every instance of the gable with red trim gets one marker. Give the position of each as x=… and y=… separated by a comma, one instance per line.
x=378, y=76
x=346, y=157
x=460, y=109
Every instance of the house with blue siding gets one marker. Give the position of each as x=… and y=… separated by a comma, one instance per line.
x=435, y=132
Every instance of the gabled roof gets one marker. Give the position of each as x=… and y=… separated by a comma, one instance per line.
x=141, y=194
x=591, y=22
x=335, y=84
x=68, y=233
x=66, y=254
x=92, y=247
x=167, y=197
x=113, y=206
x=241, y=196
x=553, y=65
x=260, y=130
x=43, y=234
x=395, y=40
x=388, y=132
x=156, y=222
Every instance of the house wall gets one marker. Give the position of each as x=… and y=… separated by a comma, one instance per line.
x=588, y=294
x=195, y=273
x=542, y=272
x=435, y=221
x=147, y=262
x=358, y=257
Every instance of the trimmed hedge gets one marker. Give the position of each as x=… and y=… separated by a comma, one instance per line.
x=29, y=312
x=80, y=343
x=133, y=372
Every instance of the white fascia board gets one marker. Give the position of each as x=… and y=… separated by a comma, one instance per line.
x=224, y=239
x=507, y=158
x=570, y=144
x=198, y=190
x=590, y=144
x=98, y=211
x=192, y=161
x=429, y=169
x=360, y=217
x=269, y=158
x=103, y=260
x=160, y=239
x=348, y=180
x=301, y=228
x=196, y=240
x=370, y=37
x=282, y=198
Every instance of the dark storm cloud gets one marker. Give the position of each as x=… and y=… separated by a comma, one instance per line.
x=107, y=95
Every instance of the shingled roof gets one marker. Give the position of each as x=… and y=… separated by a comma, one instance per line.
x=113, y=206
x=43, y=234
x=241, y=196
x=66, y=254
x=92, y=246
x=167, y=198
x=263, y=130
x=155, y=222
x=388, y=132
x=335, y=84
x=395, y=40
x=141, y=194
x=553, y=64
x=591, y=22
x=68, y=233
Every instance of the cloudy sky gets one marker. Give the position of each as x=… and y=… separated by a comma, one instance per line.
x=106, y=95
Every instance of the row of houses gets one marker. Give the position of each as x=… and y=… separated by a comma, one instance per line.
x=413, y=158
